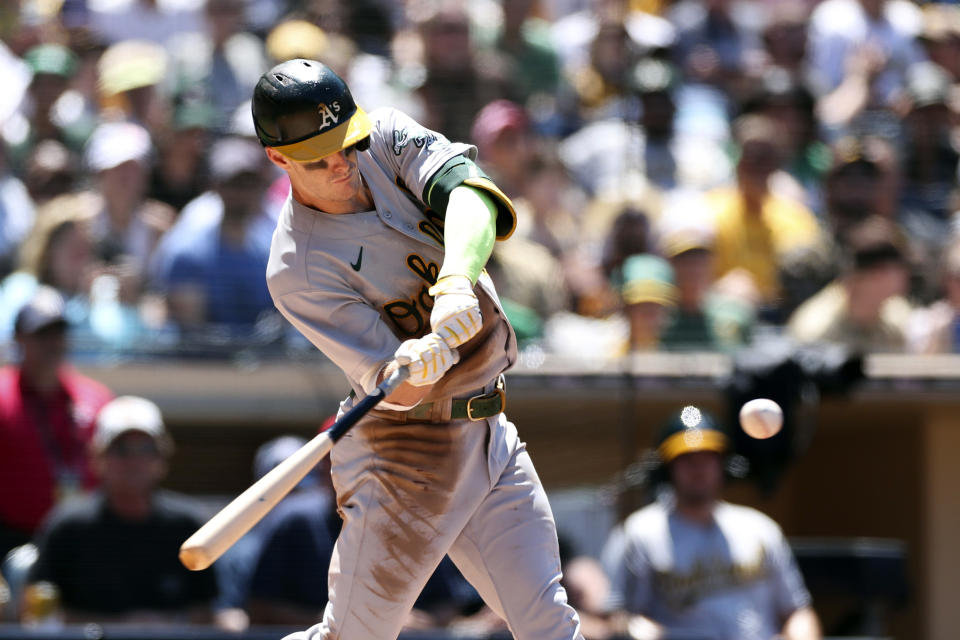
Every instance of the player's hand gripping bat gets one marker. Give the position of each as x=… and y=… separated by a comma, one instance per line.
x=219, y=533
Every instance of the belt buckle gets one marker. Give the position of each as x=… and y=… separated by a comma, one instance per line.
x=498, y=391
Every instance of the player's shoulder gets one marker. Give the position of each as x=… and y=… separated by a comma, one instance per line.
x=389, y=119
x=394, y=131
x=80, y=513
x=745, y=518
x=647, y=520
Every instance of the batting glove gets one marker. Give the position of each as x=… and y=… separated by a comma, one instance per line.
x=456, y=311
x=428, y=358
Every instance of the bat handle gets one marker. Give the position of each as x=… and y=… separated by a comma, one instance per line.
x=359, y=410
x=396, y=378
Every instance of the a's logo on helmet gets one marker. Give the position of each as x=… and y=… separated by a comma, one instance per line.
x=329, y=115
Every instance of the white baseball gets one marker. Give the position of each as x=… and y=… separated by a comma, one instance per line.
x=761, y=418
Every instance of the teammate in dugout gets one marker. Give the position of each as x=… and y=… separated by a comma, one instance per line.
x=378, y=258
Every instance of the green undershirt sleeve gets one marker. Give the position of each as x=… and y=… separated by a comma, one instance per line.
x=469, y=233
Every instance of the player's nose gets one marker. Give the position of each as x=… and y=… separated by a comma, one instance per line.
x=338, y=160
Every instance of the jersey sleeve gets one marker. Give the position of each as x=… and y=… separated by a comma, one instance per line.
x=789, y=591
x=630, y=574
x=345, y=328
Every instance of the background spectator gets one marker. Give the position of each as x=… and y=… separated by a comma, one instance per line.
x=47, y=413
x=235, y=569
x=147, y=19
x=51, y=169
x=211, y=271
x=929, y=154
x=756, y=228
x=649, y=296
x=128, y=225
x=60, y=254
x=526, y=50
x=861, y=49
x=288, y=581
x=130, y=77
x=789, y=104
x=611, y=155
x=936, y=328
x=180, y=172
x=703, y=318
x=940, y=36
x=221, y=63
x=113, y=555
x=864, y=309
x=16, y=215
x=456, y=83
x=691, y=564
x=52, y=67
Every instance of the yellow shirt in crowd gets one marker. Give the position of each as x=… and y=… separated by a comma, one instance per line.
x=757, y=243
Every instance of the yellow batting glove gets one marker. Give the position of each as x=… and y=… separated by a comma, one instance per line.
x=456, y=311
x=428, y=358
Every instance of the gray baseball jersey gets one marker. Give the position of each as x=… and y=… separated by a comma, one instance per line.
x=356, y=285
x=735, y=579
x=411, y=491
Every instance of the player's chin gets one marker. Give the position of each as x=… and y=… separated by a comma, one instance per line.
x=348, y=187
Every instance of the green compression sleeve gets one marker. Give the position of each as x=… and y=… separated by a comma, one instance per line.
x=470, y=229
x=461, y=171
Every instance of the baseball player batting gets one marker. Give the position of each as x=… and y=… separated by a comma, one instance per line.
x=378, y=258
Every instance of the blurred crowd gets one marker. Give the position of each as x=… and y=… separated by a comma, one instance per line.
x=689, y=173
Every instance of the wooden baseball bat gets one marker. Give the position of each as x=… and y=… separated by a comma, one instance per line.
x=219, y=533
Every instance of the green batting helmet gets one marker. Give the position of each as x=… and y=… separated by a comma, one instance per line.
x=306, y=112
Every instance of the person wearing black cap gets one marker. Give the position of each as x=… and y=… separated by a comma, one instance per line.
x=691, y=565
x=46, y=420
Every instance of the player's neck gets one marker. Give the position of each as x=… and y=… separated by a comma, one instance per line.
x=130, y=505
x=700, y=513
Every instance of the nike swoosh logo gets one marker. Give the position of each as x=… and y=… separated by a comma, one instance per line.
x=356, y=265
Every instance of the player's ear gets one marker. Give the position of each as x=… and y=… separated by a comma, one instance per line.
x=277, y=158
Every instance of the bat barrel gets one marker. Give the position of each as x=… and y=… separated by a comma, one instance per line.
x=216, y=536
x=194, y=557
x=212, y=540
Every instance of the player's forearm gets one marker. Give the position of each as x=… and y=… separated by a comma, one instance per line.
x=469, y=232
x=802, y=624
